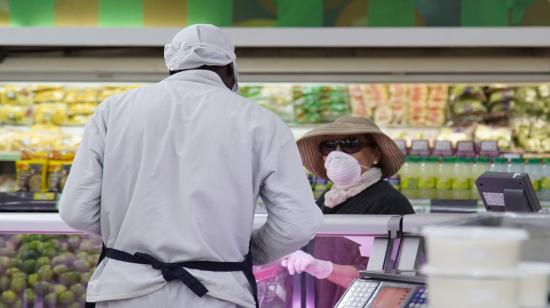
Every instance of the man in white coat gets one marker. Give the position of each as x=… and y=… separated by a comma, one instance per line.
x=169, y=174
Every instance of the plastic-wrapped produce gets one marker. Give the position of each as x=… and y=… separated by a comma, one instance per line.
x=503, y=135
x=532, y=134
x=275, y=97
x=16, y=114
x=358, y=101
x=335, y=102
x=307, y=103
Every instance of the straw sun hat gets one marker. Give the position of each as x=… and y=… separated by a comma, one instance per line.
x=391, y=157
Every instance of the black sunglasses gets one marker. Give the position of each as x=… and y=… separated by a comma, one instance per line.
x=348, y=145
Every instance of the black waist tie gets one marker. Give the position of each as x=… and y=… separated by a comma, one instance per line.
x=177, y=270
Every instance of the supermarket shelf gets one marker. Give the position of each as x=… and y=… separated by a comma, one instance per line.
x=289, y=37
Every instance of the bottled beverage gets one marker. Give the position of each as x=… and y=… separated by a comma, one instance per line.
x=544, y=193
x=444, y=182
x=515, y=165
x=500, y=164
x=478, y=168
x=409, y=176
x=462, y=178
x=533, y=168
x=427, y=178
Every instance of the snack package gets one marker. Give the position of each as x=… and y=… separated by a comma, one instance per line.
x=16, y=114
x=16, y=95
x=58, y=172
x=51, y=113
x=49, y=94
x=7, y=183
x=108, y=91
x=31, y=175
x=10, y=140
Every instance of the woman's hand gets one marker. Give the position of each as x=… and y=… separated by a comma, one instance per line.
x=300, y=261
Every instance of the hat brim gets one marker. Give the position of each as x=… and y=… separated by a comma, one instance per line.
x=391, y=156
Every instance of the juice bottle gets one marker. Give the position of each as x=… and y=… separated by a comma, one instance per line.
x=445, y=175
x=500, y=164
x=409, y=177
x=544, y=193
x=515, y=165
x=533, y=168
x=462, y=177
x=427, y=178
x=478, y=168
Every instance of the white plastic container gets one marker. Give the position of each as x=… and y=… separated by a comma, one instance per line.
x=452, y=289
x=473, y=248
x=534, y=284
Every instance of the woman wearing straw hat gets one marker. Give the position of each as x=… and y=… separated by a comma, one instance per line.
x=357, y=157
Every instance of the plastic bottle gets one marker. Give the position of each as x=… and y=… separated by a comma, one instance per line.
x=500, y=164
x=544, y=193
x=462, y=178
x=409, y=177
x=427, y=178
x=515, y=165
x=445, y=175
x=478, y=168
x=533, y=168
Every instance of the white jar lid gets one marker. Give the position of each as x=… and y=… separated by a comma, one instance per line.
x=474, y=233
x=471, y=274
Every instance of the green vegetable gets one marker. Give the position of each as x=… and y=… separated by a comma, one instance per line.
x=59, y=288
x=18, y=285
x=78, y=289
x=30, y=296
x=9, y=297
x=66, y=297
x=50, y=300
x=60, y=269
x=32, y=280
x=41, y=288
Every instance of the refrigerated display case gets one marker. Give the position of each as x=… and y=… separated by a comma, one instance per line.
x=45, y=263
x=454, y=88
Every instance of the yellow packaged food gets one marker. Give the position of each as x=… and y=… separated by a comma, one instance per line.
x=81, y=95
x=78, y=120
x=16, y=115
x=16, y=95
x=31, y=175
x=108, y=91
x=51, y=113
x=82, y=108
x=51, y=94
x=9, y=140
x=58, y=172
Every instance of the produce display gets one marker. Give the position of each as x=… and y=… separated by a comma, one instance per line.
x=319, y=104
x=52, y=104
x=46, y=270
x=416, y=105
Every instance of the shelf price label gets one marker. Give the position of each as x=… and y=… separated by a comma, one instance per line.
x=44, y=196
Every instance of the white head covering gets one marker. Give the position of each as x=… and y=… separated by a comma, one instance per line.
x=199, y=45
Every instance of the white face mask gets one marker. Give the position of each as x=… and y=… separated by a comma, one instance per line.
x=343, y=169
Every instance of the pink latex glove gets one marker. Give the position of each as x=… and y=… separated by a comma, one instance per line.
x=300, y=261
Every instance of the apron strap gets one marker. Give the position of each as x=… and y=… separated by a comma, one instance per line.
x=177, y=271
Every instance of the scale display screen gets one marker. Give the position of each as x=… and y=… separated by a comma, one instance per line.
x=391, y=297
